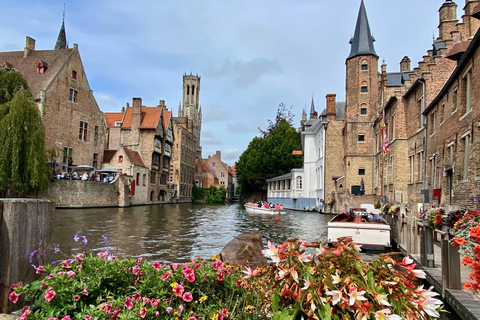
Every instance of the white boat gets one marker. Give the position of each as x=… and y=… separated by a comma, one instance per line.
x=253, y=208
x=368, y=230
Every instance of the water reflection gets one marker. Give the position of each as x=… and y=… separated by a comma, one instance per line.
x=178, y=232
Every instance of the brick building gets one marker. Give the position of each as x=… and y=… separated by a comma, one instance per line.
x=149, y=132
x=216, y=172
x=383, y=129
x=74, y=124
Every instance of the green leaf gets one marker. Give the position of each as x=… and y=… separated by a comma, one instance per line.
x=275, y=301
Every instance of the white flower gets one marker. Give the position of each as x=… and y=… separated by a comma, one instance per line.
x=336, y=278
x=419, y=273
x=383, y=299
x=386, y=314
x=407, y=261
x=336, y=295
x=356, y=295
x=430, y=306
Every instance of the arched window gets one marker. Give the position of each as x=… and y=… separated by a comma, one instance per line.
x=364, y=87
x=188, y=90
x=299, y=182
x=120, y=159
x=193, y=90
x=364, y=65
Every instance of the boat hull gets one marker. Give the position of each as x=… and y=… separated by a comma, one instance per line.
x=369, y=235
x=262, y=210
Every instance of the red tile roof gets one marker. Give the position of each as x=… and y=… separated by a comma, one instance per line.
x=108, y=155
x=112, y=117
x=134, y=157
x=167, y=115
x=54, y=59
x=150, y=117
x=457, y=50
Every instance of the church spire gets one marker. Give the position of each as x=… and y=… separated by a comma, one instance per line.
x=312, y=109
x=62, y=37
x=362, y=41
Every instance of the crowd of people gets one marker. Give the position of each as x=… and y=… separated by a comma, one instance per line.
x=84, y=177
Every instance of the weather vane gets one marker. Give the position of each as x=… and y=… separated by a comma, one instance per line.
x=64, y=11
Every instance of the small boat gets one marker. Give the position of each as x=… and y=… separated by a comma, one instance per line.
x=368, y=230
x=252, y=207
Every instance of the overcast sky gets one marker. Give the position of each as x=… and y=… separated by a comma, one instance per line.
x=251, y=55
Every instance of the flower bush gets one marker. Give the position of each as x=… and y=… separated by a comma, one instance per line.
x=324, y=284
x=103, y=287
x=436, y=217
x=467, y=235
x=336, y=284
x=394, y=208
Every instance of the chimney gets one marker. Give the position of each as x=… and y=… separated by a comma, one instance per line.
x=218, y=154
x=405, y=64
x=447, y=19
x=136, y=113
x=331, y=102
x=162, y=103
x=29, y=46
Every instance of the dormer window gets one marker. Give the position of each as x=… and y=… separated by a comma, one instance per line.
x=120, y=159
x=74, y=75
x=41, y=67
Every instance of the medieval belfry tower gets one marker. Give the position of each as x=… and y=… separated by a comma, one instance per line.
x=191, y=109
x=361, y=100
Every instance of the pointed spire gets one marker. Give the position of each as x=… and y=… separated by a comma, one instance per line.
x=312, y=109
x=62, y=37
x=179, y=109
x=362, y=41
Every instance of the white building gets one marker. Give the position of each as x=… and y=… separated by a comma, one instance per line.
x=303, y=189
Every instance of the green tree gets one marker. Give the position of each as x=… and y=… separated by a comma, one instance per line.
x=23, y=160
x=216, y=195
x=269, y=156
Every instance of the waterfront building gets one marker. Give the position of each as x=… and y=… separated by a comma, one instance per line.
x=382, y=128
x=130, y=164
x=74, y=124
x=183, y=161
x=147, y=131
x=215, y=172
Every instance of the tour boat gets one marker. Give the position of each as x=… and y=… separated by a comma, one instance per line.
x=252, y=207
x=370, y=231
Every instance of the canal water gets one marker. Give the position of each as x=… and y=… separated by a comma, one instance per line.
x=178, y=232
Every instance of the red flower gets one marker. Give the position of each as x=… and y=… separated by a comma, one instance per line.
x=143, y=312
x=156, y=265
x=187, y=297
x=128, y=303
x=468, y=261
x=459, y=241
x=49, y=294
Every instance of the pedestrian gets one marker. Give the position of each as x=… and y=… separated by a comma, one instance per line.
x=320, y=206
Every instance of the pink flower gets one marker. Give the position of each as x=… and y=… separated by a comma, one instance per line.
x=13, y=297
x=143, y=312
x=190, y=277
x=116, y=313
x=155, y=302
x=178, y=290
x=128, y=303
x=76, y=297
x=136, y=296
x=85, y=292
x=175, y=266
x=66, y=264
x=217, y=265
x=101, y=255
x=220, y=276
x=180, y=310
x=156, y=265
x=192, y=318
x=71, y=274
x=52, y=318
x=49, y=294
x=40, y=270
x=88, y=317
x=145, y=300
x=187, y=297
x=135, y=269
x=66, y=318
x=188, y=271
x=79, y=257
x=166, y=275
x=139, y=260
x=157, y=314
x=169, y=309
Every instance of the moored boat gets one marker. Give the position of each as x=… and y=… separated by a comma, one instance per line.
x=370, y=231
x=252, y=207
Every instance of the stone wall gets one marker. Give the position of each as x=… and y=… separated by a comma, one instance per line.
x=81, y=194
x=24, y=223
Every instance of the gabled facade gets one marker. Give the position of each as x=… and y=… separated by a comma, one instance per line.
x=74, y=124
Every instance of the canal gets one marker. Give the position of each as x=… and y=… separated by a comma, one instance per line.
x=178, y=232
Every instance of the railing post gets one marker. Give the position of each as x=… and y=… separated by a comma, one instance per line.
x=423, y=249
x=414, y=248
x=453, y=262
x=445, y=266
x=430, y=257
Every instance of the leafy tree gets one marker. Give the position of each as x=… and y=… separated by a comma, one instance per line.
x=216, y=195
x=23, y=160
x=270, y=155
x=198, y=193
x=282, y=114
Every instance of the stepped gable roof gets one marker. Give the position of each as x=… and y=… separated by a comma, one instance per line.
x=112, y=117
x=362, y=41
x=476, y=11
x=108, y=155
x=134, y=157
x=474, y=44
x=55, y=59
x=458, y=50
x=150, y=119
